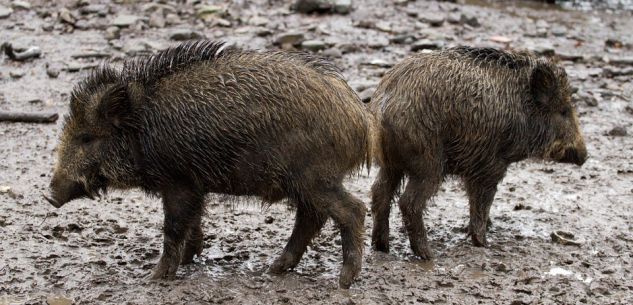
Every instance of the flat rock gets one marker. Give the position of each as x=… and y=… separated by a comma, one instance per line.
x=426, y=44
x=432, y=19
x=17, y=4
x=5, y=12
x=342, y=6
x=313, y=45
x=184, y=34
x=124, y=20
x=290, y=38
x=618, y=131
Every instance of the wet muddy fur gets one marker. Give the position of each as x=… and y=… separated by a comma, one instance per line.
x=468, y=112
x=203, y=118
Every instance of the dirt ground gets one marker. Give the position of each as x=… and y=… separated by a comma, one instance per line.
x=99, y=252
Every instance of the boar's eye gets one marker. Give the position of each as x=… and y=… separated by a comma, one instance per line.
x=565, y=112
x=85, y=138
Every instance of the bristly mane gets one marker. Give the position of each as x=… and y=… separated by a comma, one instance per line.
x=493, y=56
x=315, y=62
x=148, y=69
x=98, y=78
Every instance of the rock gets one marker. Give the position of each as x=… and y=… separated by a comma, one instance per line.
x=184, y=34
x=313, y=45
x=172, y=19
x=123, y=21
x=543, y=49
x=342, y=6
x=611, y=71
x=5, y=12
x=613, y=43
x=564, y=238
x=570, y=56
x=472, y=21
x=625, y=61
x=259, y=21
x=52, y=72
x=559, y=31
x=588, y=98
x=290, y=38
x=454, y=18
x=207, y=11
x=542, y=24
x=402, y=39
x=17, y=4
x=269, y=219
x=66, y=16
x=432, y=19
x=332, y=53
x=618, y=131
x=100, y=9
x=58, y=300
x=31, y=52
x=112, y=32
x=501, y=39
x=380, y=63
x=426, y=44
x=383, y=26
x=157, y=19
x=378, y=42
x=4, y=189
x=366, y=94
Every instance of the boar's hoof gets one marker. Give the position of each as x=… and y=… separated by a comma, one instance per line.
x=380, y=242
x=423, y=251
x=348, y=274
x=479, y=239
x=283, y=263
x=164, y=271
x=193, y=248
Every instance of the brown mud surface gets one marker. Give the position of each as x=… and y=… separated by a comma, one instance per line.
x=100, y=252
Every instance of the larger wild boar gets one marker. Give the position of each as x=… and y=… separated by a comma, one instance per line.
x=203, y=118
x=468, y=112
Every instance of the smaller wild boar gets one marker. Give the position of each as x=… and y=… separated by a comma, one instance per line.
x=204, y=118
x=468, y=112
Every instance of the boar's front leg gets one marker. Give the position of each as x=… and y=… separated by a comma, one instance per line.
x=481, y=193
x=183, y=208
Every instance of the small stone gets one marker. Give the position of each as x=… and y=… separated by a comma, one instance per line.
x=543, y=49
x=100, y=9
x=380, y=63
x=290, y=38
x=312, y=6
x=611, y=71
x=613, y=43
x=425, y=44
x=402, y=39
x=5, y=12
x=17, y=74
x=258, y=21
x=542, y=24
x=588, y=98
x=501, y=39
x=313, y=45
x=172, y=19
x=432, y=19
x=366, y=94
x=332, y=53
x=342, y=6
x=125, y=20
x=564, y=238
x=378, y=42
x=472, y=21
x=112, y=32
x=618, y=131
x=454, y=18
x=17, y=4
x=157, y=20
x=184, y=34
x=269, y=219
x=52, y=72
x=625, y=61
x=559, y=31
x=66, y=16
x=4, y=189
x=383, y=26
x=206, y=10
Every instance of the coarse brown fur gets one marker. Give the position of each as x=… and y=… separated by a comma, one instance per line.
x=204, y=117
x=468, y=112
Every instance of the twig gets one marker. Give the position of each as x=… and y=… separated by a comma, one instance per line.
x=28, y=117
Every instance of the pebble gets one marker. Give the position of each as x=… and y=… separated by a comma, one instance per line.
x=313, y=45
x=17, y=4
x=5, y=12
x=113, y=32
x=290, y=38
x=184, y=34
x=611, y=71
x=258, y=21
x=378, y=42
x=100, y=9
x=588, y=98
x=157, y=19
x=501, y=39
x=432, y=19
x=66, y=16
x=564, y=238
x=269, y=219
x=172, y=19
x=618, y=131
x=619, y=60
x=332, y=53
x=52, y=72
x=207, y=10
x=380, y=63
x=124, y=20
x=17, y=73
x=426, y=44
x=342, y=6
x=366, y=94
x=469, y=20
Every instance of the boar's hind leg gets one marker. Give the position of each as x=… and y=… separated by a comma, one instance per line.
x=193, y=245
x=382, y=192
x=181, y=207
x=480, y=197
x=348, y=213
x=412, y=204
x=308, y=223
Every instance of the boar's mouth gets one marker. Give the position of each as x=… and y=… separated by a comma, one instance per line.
x=574, y=156
x=64, y=191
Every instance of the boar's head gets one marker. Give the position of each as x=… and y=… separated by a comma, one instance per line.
x=94, y=149
x=562, y=140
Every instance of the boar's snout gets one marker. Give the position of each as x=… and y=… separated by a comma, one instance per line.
x=63, y=190
x=575, y=156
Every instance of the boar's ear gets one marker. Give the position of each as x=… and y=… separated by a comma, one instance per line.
x=543, y=85
x=114, y=106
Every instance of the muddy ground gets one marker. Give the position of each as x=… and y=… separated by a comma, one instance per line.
x=99, y=252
